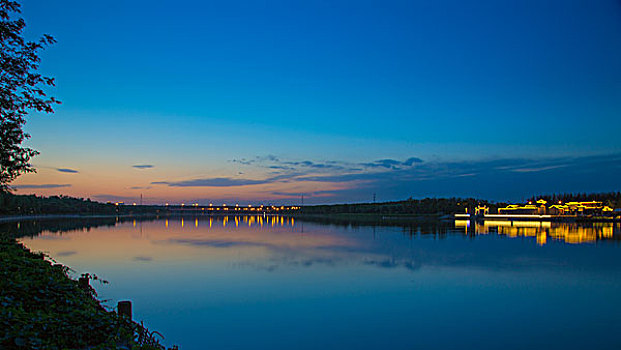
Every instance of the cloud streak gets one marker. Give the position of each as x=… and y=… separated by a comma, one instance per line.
x=143, y=166
x=140, y=187
x=67, y=170
x=212, y=182
x=41, y=186
x=392, y=179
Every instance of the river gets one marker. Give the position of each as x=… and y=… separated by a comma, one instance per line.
x=253, y=282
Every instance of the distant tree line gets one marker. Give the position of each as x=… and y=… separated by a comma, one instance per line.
x=443, y=206
x=11, y=204
x=611, y=199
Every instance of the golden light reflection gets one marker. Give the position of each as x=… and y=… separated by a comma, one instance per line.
x=542, y=231
x=120, y=245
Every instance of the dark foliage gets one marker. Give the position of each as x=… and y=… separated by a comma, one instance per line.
x=42, y=308
x=22, y=91
x=442, y=206
x=11, y=204
x=611, y=199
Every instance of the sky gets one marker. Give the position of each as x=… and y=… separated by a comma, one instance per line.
x=256, y=102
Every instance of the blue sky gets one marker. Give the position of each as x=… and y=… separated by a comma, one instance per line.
x=191, y=86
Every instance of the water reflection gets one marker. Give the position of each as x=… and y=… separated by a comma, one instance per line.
x=544, y=231
x=272, y=282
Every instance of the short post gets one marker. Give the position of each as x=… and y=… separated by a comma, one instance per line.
x=125, y=308
x=83, y=283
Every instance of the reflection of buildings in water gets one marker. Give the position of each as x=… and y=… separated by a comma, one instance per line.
x=542, y=230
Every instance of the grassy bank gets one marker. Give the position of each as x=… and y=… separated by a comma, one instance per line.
x=41, y=307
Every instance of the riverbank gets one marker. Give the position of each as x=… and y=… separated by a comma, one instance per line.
x=15, y=218
x=43, y=308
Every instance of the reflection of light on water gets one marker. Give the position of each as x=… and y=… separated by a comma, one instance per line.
x=542, y=238
x=607, y=231
x=465, y=224
x=542, y=230
x=250, y=220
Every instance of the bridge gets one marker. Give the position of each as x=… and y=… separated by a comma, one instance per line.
x=236, y=209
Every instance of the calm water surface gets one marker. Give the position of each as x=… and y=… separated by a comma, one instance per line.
x=275, y=283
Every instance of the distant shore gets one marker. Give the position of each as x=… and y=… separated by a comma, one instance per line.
x=14, y=218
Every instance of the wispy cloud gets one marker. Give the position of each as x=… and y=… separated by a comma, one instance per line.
x=276, y=163
x=534, y=170
x=212, y=182
x=390, y=179
x=66, y=253
x=313, y=165
x=326, y=193
x=143, y=166
x=392, y=163
x=41, y=186
x=143, y=258
x=227, y=181
x=256, y=160
x=67, y=170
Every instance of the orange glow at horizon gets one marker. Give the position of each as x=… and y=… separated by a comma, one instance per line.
x=102, y=184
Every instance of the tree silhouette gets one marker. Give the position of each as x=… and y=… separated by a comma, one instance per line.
x=21, y=91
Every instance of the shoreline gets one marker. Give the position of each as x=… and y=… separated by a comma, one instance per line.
x=14, y=218
x=351, y=217
x=42, y=307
